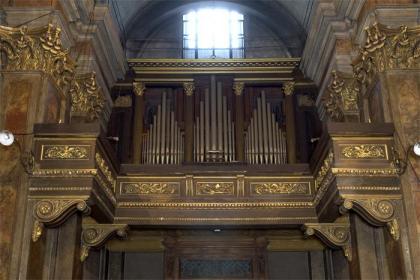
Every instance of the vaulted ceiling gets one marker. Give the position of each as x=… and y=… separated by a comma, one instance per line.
x=287, y=19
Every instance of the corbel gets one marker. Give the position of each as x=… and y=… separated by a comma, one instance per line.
x=375, y=211
x=334, y=235
x=54, y=212
x=96, y=235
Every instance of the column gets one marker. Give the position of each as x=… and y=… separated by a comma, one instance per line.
x=138, y=89
x=238, y=88
x=189, y=121
x=288, y=88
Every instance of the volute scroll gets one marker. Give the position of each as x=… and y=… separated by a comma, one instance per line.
x=54, y=212
x=376, y=211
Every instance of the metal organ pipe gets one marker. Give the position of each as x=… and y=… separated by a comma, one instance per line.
x=265, y=140
x=163, y=140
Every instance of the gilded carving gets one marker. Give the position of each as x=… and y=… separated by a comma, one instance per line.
x=54, y=212
x=364, y=151
x=87, y=98
x=364, y=171
x=325, y=168
x=215, y=205
x=377, y=212
x=96, y=235
x=288, y=87
x=65, y=152
x=189, y=88
x=158, y=188
x=334, y=235
x=208, y=188
x=238, y=88
x=280, y=188
x=139, y=88
x=341, y=98
x=103, y=167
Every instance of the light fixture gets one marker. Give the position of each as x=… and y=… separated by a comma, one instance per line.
x=416, y=149
x=6, y=138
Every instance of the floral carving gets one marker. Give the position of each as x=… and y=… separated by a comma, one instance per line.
x=364, y=151
x=280, y=188
x=150, y=188
x=65, y=152
x=214, y=188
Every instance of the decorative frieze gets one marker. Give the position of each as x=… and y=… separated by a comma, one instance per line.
x=364, y=151
x=265, y=188
x=150, y=188
x=65, y=152
x=210, y=188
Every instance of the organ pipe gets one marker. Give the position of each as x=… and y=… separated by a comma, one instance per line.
x=265, y=139
x=163, y=142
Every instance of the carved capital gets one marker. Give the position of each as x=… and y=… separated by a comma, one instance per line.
x=54, y=212
x=288, y=88
x=334, y=235
x=87, y=98
x=377, y=212
x=238, y=88
x=189, y=88
x=139, y=88
x=95, y=235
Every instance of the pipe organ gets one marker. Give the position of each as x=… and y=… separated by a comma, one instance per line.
x=197, y=121
x=214, y=139
x=265, y=140
x=163, y=142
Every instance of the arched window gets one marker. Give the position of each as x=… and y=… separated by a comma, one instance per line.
x=213, y=33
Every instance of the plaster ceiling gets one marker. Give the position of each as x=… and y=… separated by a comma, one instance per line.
x=127, y=12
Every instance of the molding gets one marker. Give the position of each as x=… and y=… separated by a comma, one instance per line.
x=376, y=211
x=96, y=235
x=214, y=205
x=334, y=235
x=54, y=212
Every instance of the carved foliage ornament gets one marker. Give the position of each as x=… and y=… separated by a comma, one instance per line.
x=189, y=88
x=334, y=235
x=65, y=152
x=204, y=188
x=364, y=151
x=288, y=88
x=280, y=188
x=341, y=98
x=95, y=235
x=41, y=49
x=150, y=188
x=378, y=212
x=55, y=212
x=103, y=167
x=238, y=88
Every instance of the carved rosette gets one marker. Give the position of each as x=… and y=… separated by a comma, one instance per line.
x=377, y=212
x=334, y=235
x=96, y=235
x=54, y=212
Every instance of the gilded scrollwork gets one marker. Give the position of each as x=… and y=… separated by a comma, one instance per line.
x=378, y=212
x=53, y=212
x=280, y=188
x=65, y=152
x=150, y=188
x=209, y=188
x=334, y=235
x=325, y=168
x=364, y=151
x=96, y=235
